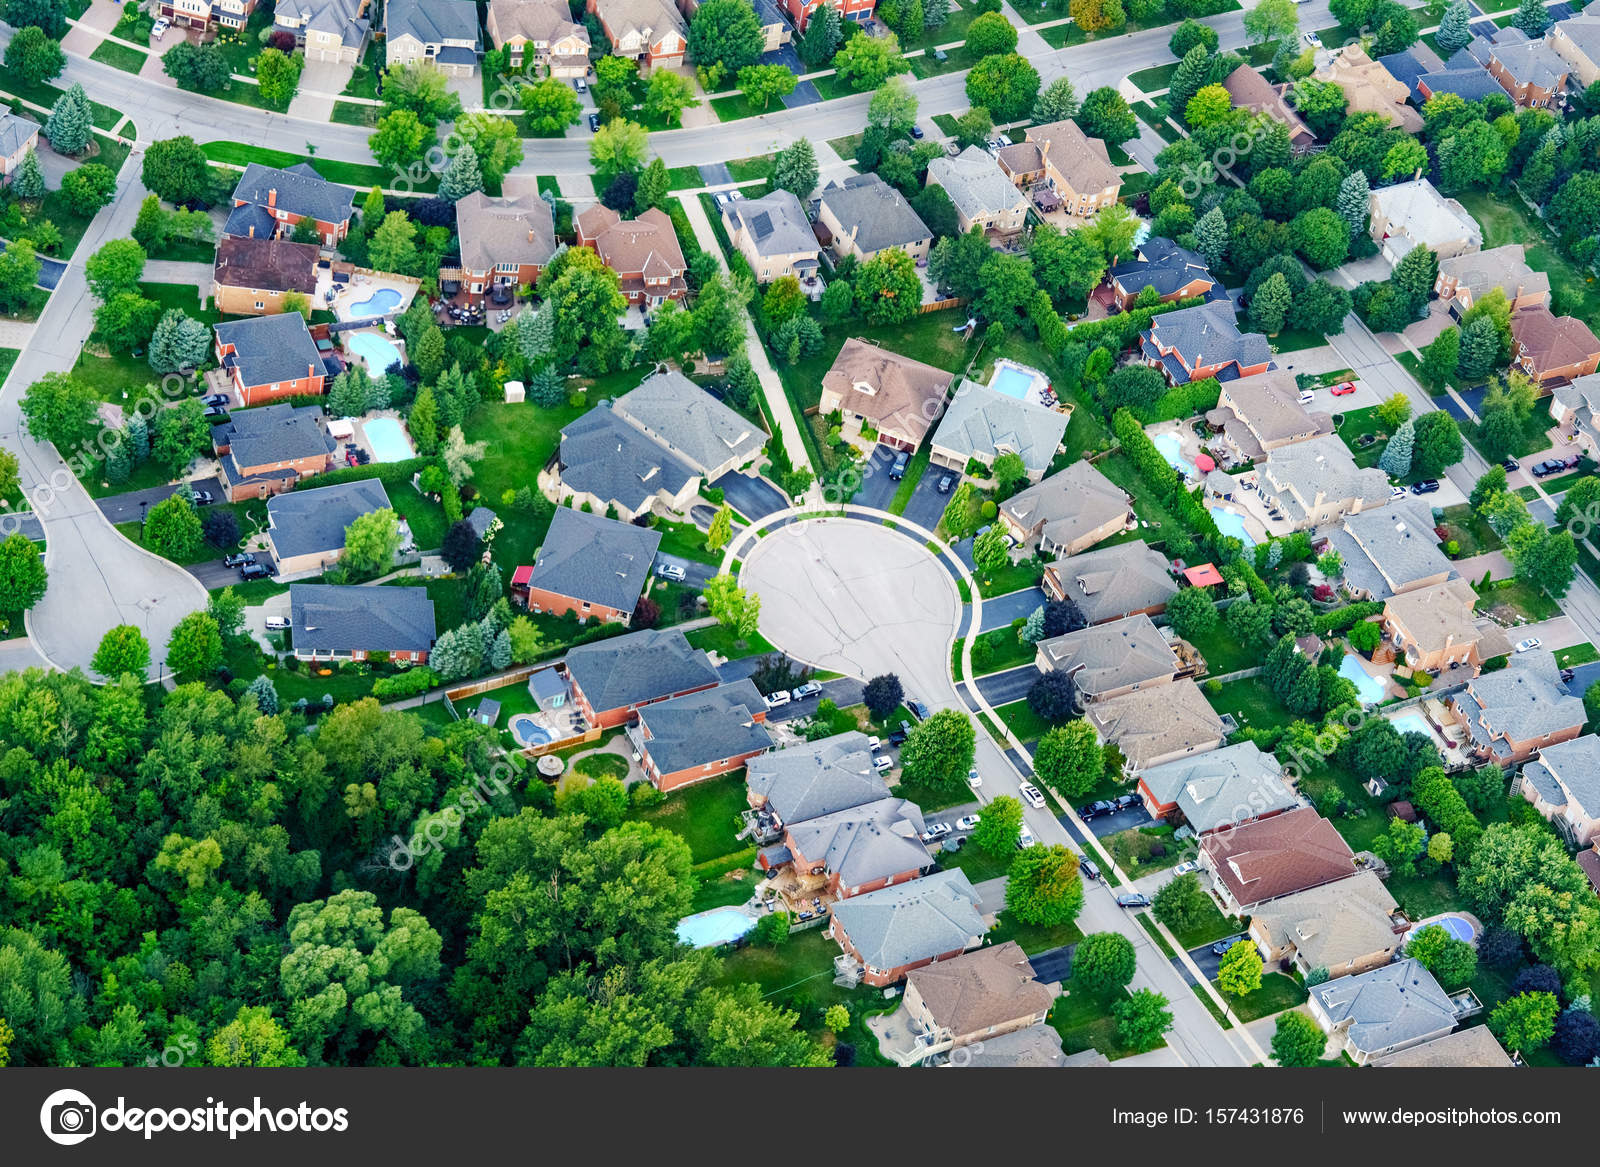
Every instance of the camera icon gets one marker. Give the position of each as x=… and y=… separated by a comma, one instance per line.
x=68, y=1117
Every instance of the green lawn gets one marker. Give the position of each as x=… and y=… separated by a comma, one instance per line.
x=1133, y=850
x=361, y=175
x=1277, y=993
x=718, y=639
x=908, y=484
x=1473, y=534
x=8, y=357
x=1084, y=1019
x=521, y=439
x=1251, y=703
x=1154, y=78
x=1025, y=725
x=43, y=93
x=1356, y=424
x=934, y=797
x=706, y=814
x=1121, y=470
x=1011, y=578
x=1506, y=219
x=119, y=56
x=1000, y=649
x=1529, y=603
x=1059, y=36
x=355, y=113
x=1211, y=927
x=1578, y=654
x=1033, y=938
x=1223, y=654
x=978, y=864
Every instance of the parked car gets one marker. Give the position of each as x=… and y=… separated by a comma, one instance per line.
x=874, y=744
x=1311, y=40
x=898, y=470
x=779, y=698
x=277, y=623
x=159, y=28
x=215, y=399
x=1025, y=838
x=1128, y=801
x=809, y=689
x=215, y=411
x=1343, y=389
x=1090, y=869
x=1549, y=467
x=1397, y=492
x=1095, y=809
x=1426, y=486
x=1031, y=795
x=916, y=132
x=918, y=709
x=594, y=122
x=670, y=571
x=898, y=738
x=1227, y=942
x=1307, y=397
x=974, y=779
x=1133, y=900
x=1529, y=644
x=580, y=85
x=253, y=570
x=882, y=763
x=1186, y=867
x=967, y=822
x=1510, y=464
x=946, y=481
x=202, y=498
x=238, y=559
x=935, y=831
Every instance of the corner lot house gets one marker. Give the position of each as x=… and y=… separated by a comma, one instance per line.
x=1317, y=481
x=1108, y=660
x=864, y=215
x=326, y=30
x=269, y=201
x=441, y=33
x=886, y=934
x=1258, y=414
x=1466, y=279
x=1563, y=783
x=812, y=779
x=981, y=424
x=612, y=679
x=505, y=243
x=1347, y=928
x=1552, y=349
x=1379, y=1012
x=1226, y=787
x=982, y=193
x=591, y=565
x=1414, y=214
x=1159, y=725
x=18, y=135
x=542, y=31
x=1192, y=344
x=306, y=528
x=251, y=276
x=1176, y=273
x=1518, y=711
x=1576, y=41
x=688, y=421
x=774, y=236
x=1113, y=582
x=352, y=623
x=1272, y=858
x=1069, y=512
x=874, y=389
x=1072, y=166
x=644, y=253
x=1474, y=1048
x=647, y=31
x=266, y=451
x=699, y=736
x=976, y=997
x=268, y=357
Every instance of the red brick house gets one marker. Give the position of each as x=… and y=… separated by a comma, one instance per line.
x=352, y=623
x=266, y=451
x=888, y=933
x=589, y=565
x=800, y=10
x=613, y=679
x=1552, y=349
x=702, y=735
x=1192, y=344
x=270, y=201
x=644, y=253
x=271, y=357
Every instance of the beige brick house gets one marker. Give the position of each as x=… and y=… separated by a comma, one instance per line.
x=879, y=390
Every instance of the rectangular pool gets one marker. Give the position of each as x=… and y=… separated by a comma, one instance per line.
x=1412, y=723
x=1011, y=381
x=388, y=440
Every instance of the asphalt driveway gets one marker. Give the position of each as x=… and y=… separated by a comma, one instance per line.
x=1123, y=820
x=1001, y=610
x=926, y=505
x=128, y=507
x=754, y=498
x=1011, y=685
x=877, y=488
x=1054, y=966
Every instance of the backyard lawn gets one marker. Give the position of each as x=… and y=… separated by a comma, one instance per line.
x=1224, y=654
x=1033, y=938
x=706, y=814
x=1506, y=219
x=1251, y=703
x=521, y=438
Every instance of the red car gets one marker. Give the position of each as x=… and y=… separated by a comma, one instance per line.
x=1343, y=388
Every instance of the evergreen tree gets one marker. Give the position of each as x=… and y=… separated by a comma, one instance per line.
x=1480, y=349
x=935, y=13
x=1191, y=75
x=795, y=169
x=1211, y=236
x=70, y=126
x=1396, y=460
x=1269, y=308
x=655, y=186
x=1354, y=193
x=1532, y=18
x=179, y=344
x=28, y=182
x=823, y=36
x=265, y=694
x=547, y=388
x=462, y=176
x=500, y=651
x=138, y=437
x=1454, y=32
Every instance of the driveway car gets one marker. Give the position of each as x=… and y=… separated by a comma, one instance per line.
x=671, y=571
x=1031, y=795
x=967, y=822
x=1186, y=867
x=935, y=831
x=809, y=689
x=883, y=763
x=1426, y=486
x=898, y=738
x=215, y=399
x=277, y=623
x=1128, y=801
x=1090, y=869
x=1133, y=900
x=1311, y=40
x=946, y=481
x=898, y=470
x=874, y=744
x=1343, y=389
x=253, y=571
x=1547, y=468
x=203, y=498
x=159, y=28
x=779, y=698
x=1227, y=942
x=215, y=411
x=1529, y=644
x=1096, y=809
x=1510, y=464
x=1397, y=492
x=238, y=559
x=916, y=132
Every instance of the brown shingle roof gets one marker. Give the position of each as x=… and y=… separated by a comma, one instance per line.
x=887, y=388
x=647, y=244
x=1549, y=341
x=1082, y=160
x=990, y=986
x=504, y=230
x=1278, y=856
x=1589, y=862
x=1251, y=91
x=269, y=265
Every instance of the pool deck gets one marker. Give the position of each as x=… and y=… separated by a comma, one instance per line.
x=361, y=287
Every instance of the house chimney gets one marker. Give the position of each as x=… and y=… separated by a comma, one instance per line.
x=272, y=197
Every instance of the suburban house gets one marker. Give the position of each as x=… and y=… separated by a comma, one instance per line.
x=1529, y=70
x=800, y=10
x=269, y=200
x=1176, y=273
x=605, y=462
x=268, y=357
x=1346, y=928
x=983, y=195
x=1220, y=789
x=1371, y=88
x=1259, y=414
x=1158, y=725
x=1251, y=91
x=262, y=452
x=1074, y=167
x=1069, y=512
x=809, y=780
x=18, y=135
x=1435, y=628
x=883, y=395
x=680, y=416
x=1465, y=279
x=864, y=215
x=981, y=423
x=1576, y=41
x=1271, y=858
x=504, y=244
x=774, y=236
x=820, y=861
x=1112, y=582
x=1109, y=660
x=306, y=528
x=441, y=33
x=1317, y=481
x=1410, y=65
x=1520, y=710
x=775, y=23
x=1588, y=862
x=330, y=622
x=647, y=31
x=644, y=252
x=974, y=998
x=1573, y=406
x=1552, y=349
x=541, y=31
x=1463, y=75
x=1390, y=550
x=1192, y=344
x=1038, y=1047
x=592, y=566
x=202, y=14
x=326, y=30
x=1466, y=1049
x=612, y=679
x=1563, y=783
x=700, y=735
x=888, y=933
x=1391, y=1008
x=1414, y=214
x=251, y=276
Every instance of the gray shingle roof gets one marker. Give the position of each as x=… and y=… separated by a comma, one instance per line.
x=590, y=557
x=1111, y=581
x=975, y=183
x=300, y=191
x=1397, y=543
x=983, y=422
x=1410, y=64
x=1208, y=334
x=705, y=727
x=433, y=21
x=1232, y=785
x=817, y=778
x=1463, y=76
x=1576, y=764
x=504, y=230
x=641, y=666
x=1070, y=504
x=1149, y=724
x=602, y=455
x=1583, y=31
x=1319, y=468
x=1162, y=265
x=1331, y=925
x=1525, y=700
x=776, y=223
x=864, y=843
x=271, y=348
x=1529, y=61
x=880, y=213
x=274, y=433
x=15, y=130
x=689, y=421
x=249, y=221
x=1038, y=1047
x=1465, y=1048
x=341, y=17
x=308, y=522
x=913, y=921
x=1388, y=1006
x=1110, y=656
x=328, y=618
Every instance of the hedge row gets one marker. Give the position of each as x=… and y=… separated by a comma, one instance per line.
x=1341, y=620
x=1436, y=797
x=1156, y=471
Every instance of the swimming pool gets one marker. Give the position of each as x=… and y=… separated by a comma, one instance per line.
x=377, y=352
x=529, y=732
x=1457, y=925
x=716, y=927
x=1411, y=723
x=1230, y=523
x=388, y=439
x=1171, y=448
x=1011, y=381
x=1370, y=689
x=381, y=301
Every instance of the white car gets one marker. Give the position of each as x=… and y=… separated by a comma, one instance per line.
x=1311, y=40
x=671, y=571
x=874, y=744
x=1186, y=868
x=1025, y=839
x=974, y=779
x=882, y=763
x=967, y=822
x=935, y=831
x=781, y=697
x=277, y=623
x=1529, y=644
x=1031, y=796
x=159, y=28
x=1397, y=492
x=809, y=689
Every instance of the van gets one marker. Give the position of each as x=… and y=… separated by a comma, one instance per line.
x=1307, y=397
x=277, y=623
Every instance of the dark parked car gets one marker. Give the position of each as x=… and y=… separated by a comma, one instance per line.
x=594, y=122
x=253, y=570
x=916, y=132
x=1510, y=464
x=898, y=470
x=1426, y=486
x=1552, y=466
x=215, y=399
x=1128, y=801
x=918, y=709
x=238, y=559
x=898, y=738
x=215, y=411
x=1089, y=868
x=1227, y=942
x=946, y=481
x=1135, y=900
x=202, y=498
x=1095, y=809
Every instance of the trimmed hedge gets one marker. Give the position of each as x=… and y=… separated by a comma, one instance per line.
x=1169, y=488
x=1436, y=797
x=1341, y=620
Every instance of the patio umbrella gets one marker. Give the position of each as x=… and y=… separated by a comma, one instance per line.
x=1204, y=463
